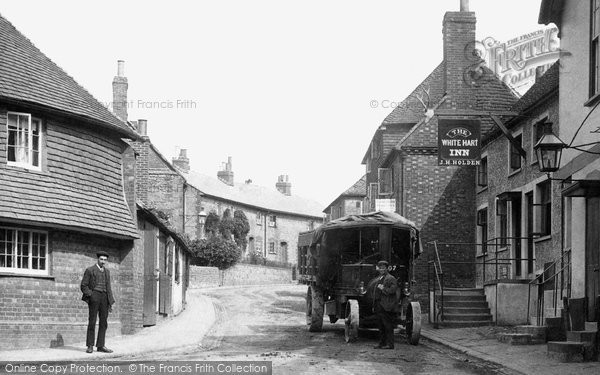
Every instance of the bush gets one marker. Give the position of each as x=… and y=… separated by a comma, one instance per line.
x=240, y=229
x=215, y=251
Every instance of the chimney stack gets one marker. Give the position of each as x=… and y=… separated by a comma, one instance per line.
x=142, y=128
x=226, y=172
x=284, y=185
x=120, y=92
x=182, y=162
x=459, y=57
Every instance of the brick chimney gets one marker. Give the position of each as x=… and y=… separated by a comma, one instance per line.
x=120, y=92
x=284, y=185
x=459, y=48
x=182, y=162
x=226, y=172
x=142, y=128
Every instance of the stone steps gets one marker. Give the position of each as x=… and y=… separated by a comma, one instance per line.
x=525, y=335
x=579, y=347
x=465, y=307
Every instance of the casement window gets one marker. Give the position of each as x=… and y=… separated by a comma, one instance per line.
x=537, y=131
x=373, y=195
x=502, y=214
x=384, y=176
x=259, y=218
x=272, y=221
x=544, y=209
x=23, y=251
x=482, y=223
x=514, y=156
x=24, y=140
x=272, y=248
x=482, y=172
x=595, y=48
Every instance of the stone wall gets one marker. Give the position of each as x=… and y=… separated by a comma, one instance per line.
x=240, y=274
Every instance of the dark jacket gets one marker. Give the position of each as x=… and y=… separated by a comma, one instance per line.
x=88, y=283
x=387, y=297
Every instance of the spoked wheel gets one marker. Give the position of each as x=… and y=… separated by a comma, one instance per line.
x=352, y=320
x=413, y=323
x=314, y=309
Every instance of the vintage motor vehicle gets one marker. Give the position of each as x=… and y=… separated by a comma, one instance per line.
x=337, y=261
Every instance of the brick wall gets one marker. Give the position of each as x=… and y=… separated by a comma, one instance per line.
x=34, y=310
x=240, y=274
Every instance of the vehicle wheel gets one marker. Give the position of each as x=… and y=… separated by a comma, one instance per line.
x=352, y=320
x=314, y=309
x=413, y=323
x=333, y=318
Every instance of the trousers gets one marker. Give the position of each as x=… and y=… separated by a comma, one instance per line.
x=98, y=307
x=386, y=320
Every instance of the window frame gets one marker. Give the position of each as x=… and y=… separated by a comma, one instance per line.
x=389, y=183
x=30, y=147
x=271, y=246
x=481, y=172
x=259, y=218
x=594, y=52
x=272, y=223
x=27, y=271
x=502, y=223
x=513, y=153
x=543, y=215
x=483, y=229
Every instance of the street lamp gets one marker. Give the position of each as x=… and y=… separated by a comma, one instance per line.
x=202, y=220
x=548, y=150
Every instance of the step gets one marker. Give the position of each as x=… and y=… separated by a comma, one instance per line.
x=569, y=351
x=462, y=292
x=591, y=326
x=553, y=322
x=467, y=317
x=515, y=338
x=466, y=310
x=463, y=298
x=465, y=324
x=538, y=333
x=466, y=304
x=581, y=336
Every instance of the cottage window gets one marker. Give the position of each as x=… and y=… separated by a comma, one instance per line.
x=544, y=211
x=482, y=223
x=272, y=248
x=259, y=218
x=24, y=140
x=23, y=251
x=502, y=213
x=385, y=181
x=515, y=156
x=273, y=221
x=595, y=49
x=482, y=172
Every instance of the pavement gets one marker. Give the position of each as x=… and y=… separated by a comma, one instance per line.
x=186, y=329
x=481, y=343
x=189, y=327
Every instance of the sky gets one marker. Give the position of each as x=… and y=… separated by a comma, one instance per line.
x=283, y=87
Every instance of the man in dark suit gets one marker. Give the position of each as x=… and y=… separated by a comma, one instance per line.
x=97, y=292
x=385, y=304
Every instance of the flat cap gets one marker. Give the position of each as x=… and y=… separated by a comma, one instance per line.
x=382, y=263
x=101, y=253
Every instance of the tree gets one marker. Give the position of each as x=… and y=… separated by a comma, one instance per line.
x=211, y=224
x=226, y=224
x=241, y=228
x=215, y=251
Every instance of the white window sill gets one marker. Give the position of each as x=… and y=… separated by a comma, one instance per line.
x=516, y=171
x=542, y=239
x=27, y=167
x=11, y=272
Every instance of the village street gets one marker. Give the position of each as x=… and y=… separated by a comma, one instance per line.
x=268, y=323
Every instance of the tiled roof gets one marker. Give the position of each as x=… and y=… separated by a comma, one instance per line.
x=544, y=86
x=359, y=189
x=55, y=202
x=410, y=110
x=254, y=195
x=27, y=75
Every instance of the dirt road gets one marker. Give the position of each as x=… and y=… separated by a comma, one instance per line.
x=268, y=323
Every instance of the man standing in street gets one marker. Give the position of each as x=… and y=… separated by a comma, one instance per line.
x=385, y=304
x=97, y=292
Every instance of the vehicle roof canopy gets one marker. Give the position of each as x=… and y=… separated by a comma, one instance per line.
x=376, y=218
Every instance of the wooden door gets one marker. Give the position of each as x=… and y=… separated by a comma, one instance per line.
x=592, y=256
x=150, y=290
x=164, y=285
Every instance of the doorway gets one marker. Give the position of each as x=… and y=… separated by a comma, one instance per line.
x=592, y=256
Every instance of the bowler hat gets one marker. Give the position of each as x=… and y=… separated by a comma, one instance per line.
x=101, y=253
x=382, y=263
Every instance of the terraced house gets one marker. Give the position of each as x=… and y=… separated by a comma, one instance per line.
x=62, y=198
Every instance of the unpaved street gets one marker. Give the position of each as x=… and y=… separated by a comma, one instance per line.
x=268, y=323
